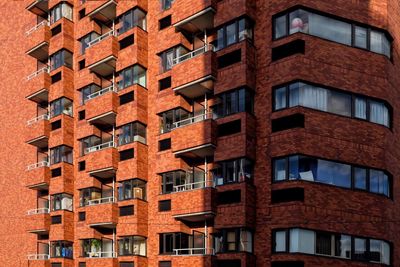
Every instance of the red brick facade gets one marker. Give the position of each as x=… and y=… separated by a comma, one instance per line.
x=114, y=185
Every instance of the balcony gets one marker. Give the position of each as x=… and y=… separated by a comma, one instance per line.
x=102, y=160
x=103, y=214
x=104, y=11
x=102, y=108
x=102, y=53
x=64, y=39
x=194, y=137
x=38, y=221
x=39, y=7
x=193, y=251
x=38, y=40
x=38, y=175
x=38, y=131
x=200, y=72
x=38, y=84
x=39, y=260
x=195, y=16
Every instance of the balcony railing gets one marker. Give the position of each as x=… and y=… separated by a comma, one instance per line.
x=99, y=147
x=39, y=118
x=103, y=200
x=38, y=165
x=193, y=186
x=38, y=26
x=192, y=120
x=102, y=254
x=38, y=211
x=101, y=38
x=193, y=251
x=192, y=54
x=38, y=72
x=101, y=92
x=38, y=256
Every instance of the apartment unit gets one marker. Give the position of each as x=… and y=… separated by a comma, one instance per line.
x=227, y=133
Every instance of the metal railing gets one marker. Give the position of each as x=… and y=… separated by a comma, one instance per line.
x=193, y=186
x=101, y=92
x=101, y=201
x=99, y=147
x=36, y=73
x=38, y=165
x=100, y=38
x=192, y=54
x=39, y=118
x=38, y=26
x=38, y=211
x=192, y=120
x=38, y=256
x=102, y=254
x=193, y=251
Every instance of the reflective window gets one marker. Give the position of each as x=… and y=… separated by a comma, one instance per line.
x=233, y=240
x=62, y=10
x=132, y=18
x=132, y=245
x=167, y=57
x=131, y=189
x=331, y=29
x=61, y=202
x=61, y=58
x=234, y=32
x=132, y=132
x=168, y=118
x=333, y=101
x=239, y=100
x=61, y=106
x=299, y=167
x=132, y=75
x=85, y=40
x=232, y=171
x=61, y=154
x=179, y=180
x=61, y=249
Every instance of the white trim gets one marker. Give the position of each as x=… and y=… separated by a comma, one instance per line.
x=99, y=147
x=101, y=92
x=38, y=211
x=100, y=38
x=36, y=27
x=44, y=117
x=38, y=256
x=38, y=165
x=193, y=251
x=98, y=201
x=192, y=54
x=36, y=73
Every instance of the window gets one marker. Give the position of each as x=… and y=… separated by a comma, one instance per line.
x=93, y=247
x=287, y=195
x=126, y=154
x=87, y=194
x=166, y=4
x=168, y=118
x=56, y=264
x=131, y=189
x=164, y=144
x=61, y=58
x=164, y=22
x=171, y=241
x=232, y=171
x=61, y=202
x=164, y=205
x=306, y=168
x=81, y=115
x=164, y=263
x=56, y=219
x=233, y=240
x=289, y=49
x=288, y=122
x=132, y=245
x=56, y=77
x=61, y=106
x=132, y=18
x=229, y=197
x=82, y=13
x=167, y=57
x=81, y=216
x=332, y=29
x=235, y=101
x=131, y=132
x=126, y=264
x=229, y=59
x=61, y=249
x=62, y=10
x=81, y=64
x=131, y=76
x=91, y=141
x=56, y=125
x=164, y=83
x=230, y=263
x=127, y=41
x=56, y=30
x=229, y=128
x=126, y=210
x=126, y=98
x=85, y=40
x=175, y=181
x=55, y=172
x=234, y=32
x=60, y=154
x=333, y=101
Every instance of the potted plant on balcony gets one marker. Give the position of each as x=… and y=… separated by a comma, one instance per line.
x=96, y=246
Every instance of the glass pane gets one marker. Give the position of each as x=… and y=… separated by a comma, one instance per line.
x=231, y=36
x=302, y=241
x=376, y=44
x=375, y=248
x=334, y=173
x=360, y=108
x=279, y=169
x=330, y=29
x=299, y=21
x=379, y=113
x=294, y=94
x=360, y=38
x=293, y=167
x=360, y=249
x=343, y=246
x=280, y=98
x=360, y=178
x=324, y=244
x=280, y=241
x=339, y=103
x=280, y=27
x=313, y=97
x=220, y=39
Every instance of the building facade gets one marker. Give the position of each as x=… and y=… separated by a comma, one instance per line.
x=205, y=133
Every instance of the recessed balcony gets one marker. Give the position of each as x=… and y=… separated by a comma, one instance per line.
x=39, y=221
x=102, y=53
x=194, y=137
x=41, y=257
x=38, y=84
x=102, y=107
x=38, y=40
x=104, y=11
x=200, y=72
x=193, y=251
x=38, y=175
x=195, y=16
x=38, y=131
x=39, y=7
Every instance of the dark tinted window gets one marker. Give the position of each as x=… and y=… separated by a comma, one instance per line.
x=126, y=211
x=164, y=83
x=81, y=115
x=56, y=125
x=164, y=264
x=229, y=59
x=81, y=165
x=56, y=30
x=229, y=128
x=288, y=122
x=82, y=216
x=164, y=144
x=82, y=64
x=126, y=264
x=56, y=77
x=164, y=205
x=56, y=219
x=287, y=195
x=289, y=49
x=126, y=154
x=82, y=13
x=165, y=22
x=82, y=264
x=126, y=98
x=287, y=264
x=56, y=172
x=127, y=41
x=229, y=263
x=229, y=197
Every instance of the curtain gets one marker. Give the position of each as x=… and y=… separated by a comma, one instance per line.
x=330, y=29
x=313, y=97
x=360, y=108
x=302, y=241
x=379, y=113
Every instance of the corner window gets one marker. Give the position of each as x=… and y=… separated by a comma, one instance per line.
x=85, y=40
x=131, y=189
x=132, y=245
x=61, y=202
x=61, y=58
x=167, y=57
x=168, y=118
x=233, y=240
x=62, y=10
x=61, y=249
x=132, y=75
x=132, y=132
x=235, y=101
x=132, y=18
x=61, y=154
x=61, y=106
x=234, y=32
x=232, y=171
